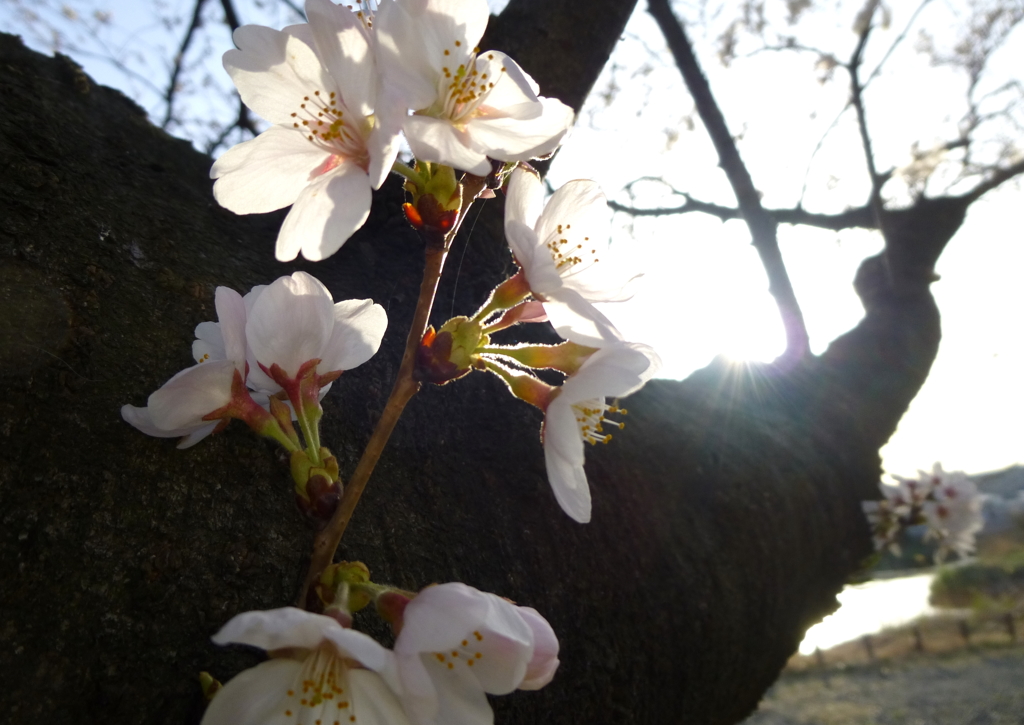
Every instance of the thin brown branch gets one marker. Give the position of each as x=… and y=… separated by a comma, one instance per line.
x=860, y=217
x=406, y=386
x=179, y=59
x=762, y=226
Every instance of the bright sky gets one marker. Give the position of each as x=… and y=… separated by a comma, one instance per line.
x=705, y=292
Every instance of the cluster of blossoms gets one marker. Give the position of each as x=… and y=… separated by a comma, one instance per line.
x=946, y=503
x=268, y=360
x=341, y=90
x=454, y=645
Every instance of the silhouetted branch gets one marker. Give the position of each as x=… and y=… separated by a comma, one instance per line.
x=861, y=217
x=172, y=85
x=857, y=100
x=762, y=226
x=230, y=16
x=998, y=177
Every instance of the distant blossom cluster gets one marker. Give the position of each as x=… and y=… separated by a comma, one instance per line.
x=946, y=502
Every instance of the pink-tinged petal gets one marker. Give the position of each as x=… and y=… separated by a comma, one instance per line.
x=511, y=139
x=577, y=320
x=569, y=483
x=325, y=215
x=433, y=139
x=542, y=666
x=343, y=46
x=209, y=343
x=359, y=326
x=257, y=696
x=290, y=322
x=465, y=624
x=274, y=71
x=267, y=172
x=141, y=419
x=231, y=316
x=191, y=394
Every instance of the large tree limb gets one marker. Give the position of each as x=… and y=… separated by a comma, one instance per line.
x=762, y=226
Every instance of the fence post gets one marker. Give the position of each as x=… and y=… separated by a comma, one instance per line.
x=869, y=647
x=965, y=632
x=1011, y=627
x=918, y=639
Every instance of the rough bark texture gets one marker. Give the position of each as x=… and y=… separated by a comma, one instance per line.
x=727, y=514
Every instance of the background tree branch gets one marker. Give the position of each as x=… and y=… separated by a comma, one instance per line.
x=762, y=226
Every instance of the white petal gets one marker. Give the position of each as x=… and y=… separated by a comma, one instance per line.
x=326, y=214
x=434, y=139
x=359, y=326
x=613, y=371
x=274, y=72
x=512, y=139
x=141, y=419
x=460, y=699
x=291, y=322
x=542, y=666
x=209, y=343
x=577, y=320
x=344, y=49
x=562, y=433
x=191, y=394
x=402, y=57
x=581, y=206
x=513, y=87
x=257, y=696
x=373, y=702
x=569, y=483
x=290, y=627
x=231, y=316
x=524, y=199
x=267, y=172
x=385, y=139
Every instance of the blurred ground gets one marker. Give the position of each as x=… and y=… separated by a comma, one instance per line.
x=983, y=686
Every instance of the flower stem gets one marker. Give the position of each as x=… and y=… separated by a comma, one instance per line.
x=406, y=386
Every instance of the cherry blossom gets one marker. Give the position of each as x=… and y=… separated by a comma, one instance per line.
x=319, y=673
x=468, y=105
x=578, y=413
x=560, y=250
x=179, y=407
x=953, y=511
x=457, y=644
x=317, y=84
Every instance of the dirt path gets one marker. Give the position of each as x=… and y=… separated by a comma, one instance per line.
x=965, y=688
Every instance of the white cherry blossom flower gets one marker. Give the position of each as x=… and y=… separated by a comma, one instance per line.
x=317, y=84
x=469, y=105
x=953, y=511
x=457, y=643
x=177, y=409
x=295, y=320
x=323, y=674
x=563, y=251
x=578, y=414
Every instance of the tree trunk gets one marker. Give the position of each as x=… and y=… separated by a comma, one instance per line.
x=726, y=515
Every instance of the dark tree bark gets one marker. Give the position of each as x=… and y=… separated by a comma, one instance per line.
x=726, y=518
